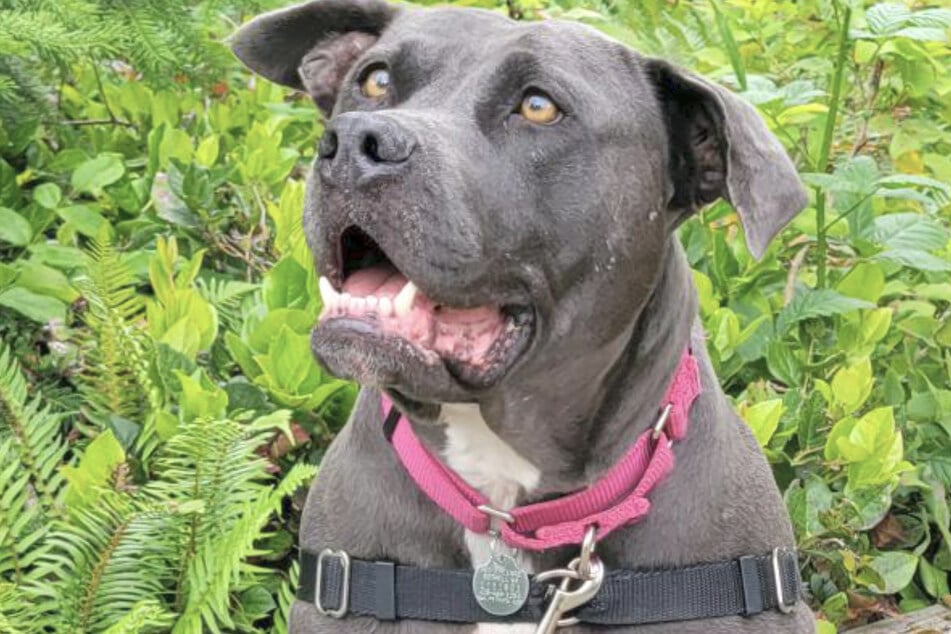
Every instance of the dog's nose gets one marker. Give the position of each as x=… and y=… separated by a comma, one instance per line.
x=361, y=145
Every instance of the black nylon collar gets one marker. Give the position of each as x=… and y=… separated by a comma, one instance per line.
x=387, y=591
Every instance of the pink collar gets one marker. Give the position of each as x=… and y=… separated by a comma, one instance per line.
x=618, y=499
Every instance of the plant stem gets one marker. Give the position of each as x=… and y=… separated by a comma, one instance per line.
x=827, y=137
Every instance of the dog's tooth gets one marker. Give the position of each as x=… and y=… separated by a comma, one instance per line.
x=386, y=307
x=404, y=301
x=345, y=302
x=371, y=303
x=327, y=292
x=357, y=304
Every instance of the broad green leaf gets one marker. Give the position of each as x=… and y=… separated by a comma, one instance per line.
x=14, y=228
x=48, y=195
x=94, y=174
x=763, y=418
x=909, y=232
x=85, y=219
x=817, y=303
x=852, y=385
x=95, y=471
x=41, y=308
x=916, y=259
x=200, y=398
x=895, y=571
x=207, y=153
x=865, y=281
x=45, y=280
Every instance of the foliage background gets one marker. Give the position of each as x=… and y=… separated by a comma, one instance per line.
x=159, y=408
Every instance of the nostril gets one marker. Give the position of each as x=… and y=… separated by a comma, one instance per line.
x=371, y=148
x=327, y=148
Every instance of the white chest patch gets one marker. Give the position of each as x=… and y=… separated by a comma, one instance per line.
x=490, y=465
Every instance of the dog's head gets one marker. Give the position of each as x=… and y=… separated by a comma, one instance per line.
x=491, y=197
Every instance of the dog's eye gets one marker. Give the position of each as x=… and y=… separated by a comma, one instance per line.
x=539, y=108
x=376, y=83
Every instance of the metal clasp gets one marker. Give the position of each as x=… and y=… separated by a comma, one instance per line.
x=340, y=611
x=505, y=516
x=661, y=424
x=587, y=569
x=781, y=604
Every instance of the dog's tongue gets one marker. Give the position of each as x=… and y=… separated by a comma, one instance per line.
x=384, y=296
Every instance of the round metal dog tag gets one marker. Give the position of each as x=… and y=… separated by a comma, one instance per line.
x=500, y=586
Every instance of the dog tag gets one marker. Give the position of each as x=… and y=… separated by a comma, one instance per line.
x=500, y=585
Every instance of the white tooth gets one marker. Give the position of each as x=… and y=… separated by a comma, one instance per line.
x=344, y=302
x=357, y=304
x=404, y=301
x=386, y=307
x=371, y=303
x=327, y=292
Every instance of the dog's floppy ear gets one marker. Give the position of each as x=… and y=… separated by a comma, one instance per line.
x=311, y=46
x=721, y=147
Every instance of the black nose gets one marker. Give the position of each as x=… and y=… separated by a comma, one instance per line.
x=363, y=145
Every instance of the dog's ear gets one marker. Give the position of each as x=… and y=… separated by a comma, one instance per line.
x=721, y=147
x=311, y=46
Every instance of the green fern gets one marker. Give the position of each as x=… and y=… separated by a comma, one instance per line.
x=114, y=379
x=106, y=560
x=220, y=561
x=32, y=432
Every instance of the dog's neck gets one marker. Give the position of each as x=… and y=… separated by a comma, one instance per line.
x=544, y=442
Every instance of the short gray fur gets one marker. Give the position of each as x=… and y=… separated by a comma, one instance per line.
x=579, y=218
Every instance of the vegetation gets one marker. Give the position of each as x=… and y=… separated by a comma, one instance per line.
x=159, y=408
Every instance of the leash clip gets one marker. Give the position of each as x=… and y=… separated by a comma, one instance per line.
x=588, y=569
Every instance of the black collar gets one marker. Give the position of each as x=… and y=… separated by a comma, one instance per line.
x=386, y=591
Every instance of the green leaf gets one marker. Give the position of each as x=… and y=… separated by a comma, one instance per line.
x=916, y=259
x=817, y=303
x=200, y=398
x=207, y=153
x=87, y=220
x=48, y=195
x=94, y=472
x=41, y=308
x=94, y=174
x=852, y=385
x=763, y=418
x=909, y=232
x=865, y=281
x=895, y=571
x=933, y=579
x=14, y=228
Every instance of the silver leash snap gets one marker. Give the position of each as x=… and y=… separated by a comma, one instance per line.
x=586, y=569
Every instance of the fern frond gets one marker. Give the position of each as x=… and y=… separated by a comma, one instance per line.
x=226, y=297
x=32, y=435
x=145, y=616
x=219, y=561
x=285, y=599
x=115, y=378
x=105, y=562
x=16, y=611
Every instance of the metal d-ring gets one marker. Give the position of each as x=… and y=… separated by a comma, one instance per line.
x=661, y=424
x=587, y=550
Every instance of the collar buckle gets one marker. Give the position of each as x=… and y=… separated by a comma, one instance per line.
x=344, y=607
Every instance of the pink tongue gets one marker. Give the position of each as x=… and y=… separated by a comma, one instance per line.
x=463, y=334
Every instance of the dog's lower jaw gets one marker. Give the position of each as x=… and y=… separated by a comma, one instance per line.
x=490, y=465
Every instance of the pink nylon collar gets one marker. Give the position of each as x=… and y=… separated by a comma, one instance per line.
x=618, y=499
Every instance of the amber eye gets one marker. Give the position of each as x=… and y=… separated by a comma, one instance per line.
x=538, y=108
x=376, y=83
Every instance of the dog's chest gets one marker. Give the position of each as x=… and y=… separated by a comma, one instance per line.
x=490, y=465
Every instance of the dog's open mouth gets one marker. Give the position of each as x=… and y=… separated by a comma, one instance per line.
x=477, y=343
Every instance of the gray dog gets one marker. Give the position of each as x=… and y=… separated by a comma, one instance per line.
x=493, y=209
